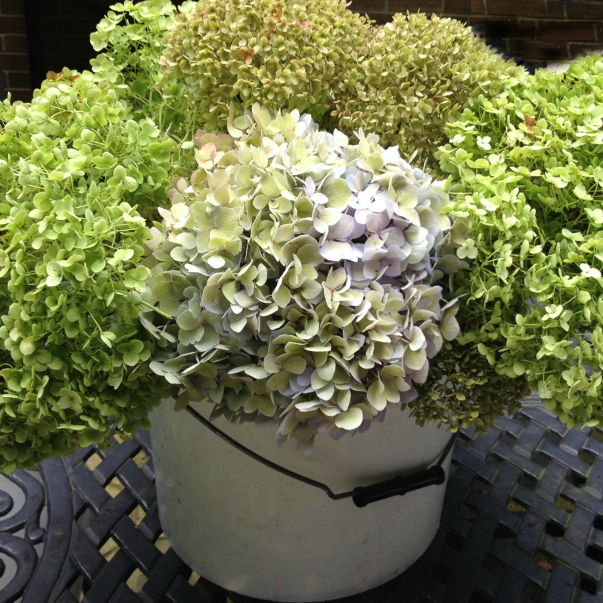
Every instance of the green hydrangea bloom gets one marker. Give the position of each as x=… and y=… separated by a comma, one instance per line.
x=418, y=74
x=284, y=55
x=75, y=359
x=529, y=173
x=129, y=40
x=464, y=390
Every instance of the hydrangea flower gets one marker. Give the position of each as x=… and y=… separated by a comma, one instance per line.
x=300, y=55
x=300, y=274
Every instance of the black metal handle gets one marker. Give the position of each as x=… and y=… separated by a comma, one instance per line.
x=363, y=495
x=398, y=486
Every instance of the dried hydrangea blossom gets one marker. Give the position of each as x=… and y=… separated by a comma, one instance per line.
x=300, y=276
x=298, y=55
x=417, y=74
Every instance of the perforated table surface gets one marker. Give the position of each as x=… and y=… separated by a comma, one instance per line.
x=522, y=522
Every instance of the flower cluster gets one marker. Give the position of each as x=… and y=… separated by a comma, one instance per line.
x=285, y=55
x=300, y=276
x=464, y=390
x=75, y=359
x=529, y=178
x=416, y=76
x=129, y=40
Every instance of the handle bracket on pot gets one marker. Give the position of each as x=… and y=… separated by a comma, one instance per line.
x=362, y=495
x=399, y=485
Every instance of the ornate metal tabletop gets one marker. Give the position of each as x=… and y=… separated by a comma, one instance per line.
x=522, y=522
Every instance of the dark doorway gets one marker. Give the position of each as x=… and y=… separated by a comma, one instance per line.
x=58, y=33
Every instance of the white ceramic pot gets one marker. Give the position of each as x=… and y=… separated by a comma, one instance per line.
x=257, y=532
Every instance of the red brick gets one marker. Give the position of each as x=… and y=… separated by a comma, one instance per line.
x=576, y=31
x=583, y=10
x=491, y=19
x=15, y=44
x=457, y=7
x=533, y=50
x=492, y=26
x=369, y=6
x=21, y=95
x=523, y=8
x=555, y=8
x=425, y=6
x=12, y=7
x=525, y=28
x=478, y=7
x=16, y=79
x=12, y=25
x=14, y=62
x=504, y=27
x=579, y=49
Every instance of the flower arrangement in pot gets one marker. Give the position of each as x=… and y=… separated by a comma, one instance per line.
x=351, y=224
x=306, y=281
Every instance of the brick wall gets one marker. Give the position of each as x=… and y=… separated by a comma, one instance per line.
x=14, y=55
x=533, y=31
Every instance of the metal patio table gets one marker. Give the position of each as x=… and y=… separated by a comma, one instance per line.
x=522, y=522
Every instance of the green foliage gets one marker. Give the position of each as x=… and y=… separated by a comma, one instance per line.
x=74, y=355
x=131, y=38
x=284, y=55
x=417, y=75
x=300, y=276
x=297, y=279
x=529, y=166
x=90, y=123
x=463, y=390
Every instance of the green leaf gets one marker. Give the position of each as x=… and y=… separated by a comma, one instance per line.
x=27, y=347
x=338, y=193
x=121, y=255
x=263, y=404
x=259, y=157
x=295, y=365
x=415, y=360
x=226, y=222
x=282, y=296
x=161, y=151
x=350, y=419
x=98, y=266
x=106, y=161
x=131, y=358
x=186, y=321
x=73, y=314
x=55, y=274
x=417, y=338
x=449, y=327
x=376, y=395
x=70, y=400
